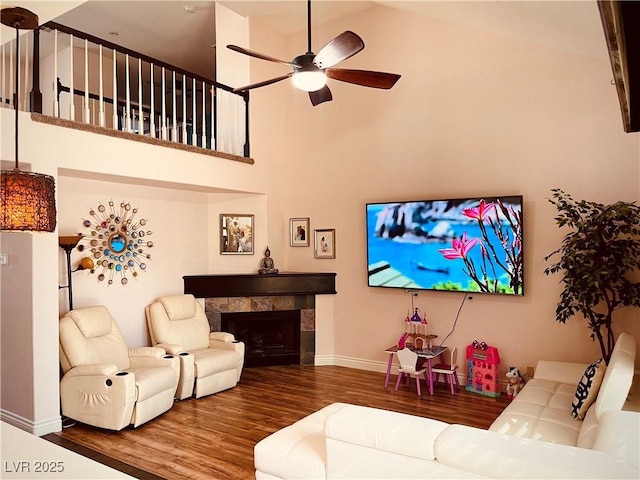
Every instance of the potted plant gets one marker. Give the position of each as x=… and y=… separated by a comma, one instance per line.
x=597, y=259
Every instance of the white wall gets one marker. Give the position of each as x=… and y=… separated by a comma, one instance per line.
x=473, y=114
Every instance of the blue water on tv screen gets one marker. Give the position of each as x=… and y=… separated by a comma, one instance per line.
x=468, y=245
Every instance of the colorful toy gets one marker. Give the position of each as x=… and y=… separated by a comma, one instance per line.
x=515, y=382
x=416, y=329
x=482, y=369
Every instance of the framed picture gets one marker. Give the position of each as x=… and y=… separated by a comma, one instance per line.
x=236, y=234
x=299, y=232
x=324, y=243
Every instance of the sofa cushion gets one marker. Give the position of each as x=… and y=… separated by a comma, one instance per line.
x=179, y=307
x=379, y=429
x=587, y=389
x=209, y=361
x=619, y=436
x=365, y=442
x=92, y=321
x=297, y=451
x=506, y=456
x=541, y=411
x=618, y=377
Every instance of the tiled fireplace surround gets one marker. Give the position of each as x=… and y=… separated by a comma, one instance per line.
x=263, y=293
x=215, y=307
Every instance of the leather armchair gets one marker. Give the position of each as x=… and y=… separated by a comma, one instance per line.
x=105, y=383
x=210, y=361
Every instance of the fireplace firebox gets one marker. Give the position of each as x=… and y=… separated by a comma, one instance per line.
x=270, y=337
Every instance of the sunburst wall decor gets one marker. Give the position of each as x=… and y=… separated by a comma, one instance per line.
x=118, y=242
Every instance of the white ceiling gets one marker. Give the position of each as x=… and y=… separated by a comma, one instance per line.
x=182, y=32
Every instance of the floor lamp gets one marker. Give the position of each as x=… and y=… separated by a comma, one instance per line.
x=68, y=243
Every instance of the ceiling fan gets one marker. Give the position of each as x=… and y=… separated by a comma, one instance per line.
x=310, y=71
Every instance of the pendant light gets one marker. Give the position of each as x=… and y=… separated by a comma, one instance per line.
x=28, y=201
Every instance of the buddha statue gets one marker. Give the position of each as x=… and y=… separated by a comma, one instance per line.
x=266, y=265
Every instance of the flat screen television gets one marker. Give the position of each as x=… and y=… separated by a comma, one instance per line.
x=464, y=244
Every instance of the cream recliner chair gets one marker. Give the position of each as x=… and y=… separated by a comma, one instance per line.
x=210, y=361
x=106, y=384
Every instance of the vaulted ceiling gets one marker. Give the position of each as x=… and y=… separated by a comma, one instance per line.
x=182, y=33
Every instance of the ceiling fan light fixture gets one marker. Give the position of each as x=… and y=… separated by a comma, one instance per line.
x=309, y=80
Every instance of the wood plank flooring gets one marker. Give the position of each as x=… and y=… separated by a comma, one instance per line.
x=213, y=437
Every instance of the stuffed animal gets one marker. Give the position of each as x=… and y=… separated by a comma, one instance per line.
x=515, y=382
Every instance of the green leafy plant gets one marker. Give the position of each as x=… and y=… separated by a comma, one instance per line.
x=596, y=259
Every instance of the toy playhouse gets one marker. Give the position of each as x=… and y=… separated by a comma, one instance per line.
x=483, y=364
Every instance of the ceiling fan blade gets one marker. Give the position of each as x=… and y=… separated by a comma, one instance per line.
x=262, y=84
x=320, y=96
x=261, y=56
x=364, y=78
x=340, y=48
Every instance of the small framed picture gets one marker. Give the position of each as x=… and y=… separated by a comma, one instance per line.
x=324, y=243
x=299, y=232
x=236, y=234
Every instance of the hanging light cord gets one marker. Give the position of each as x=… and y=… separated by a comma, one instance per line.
x=15, y=94
x=309, y=26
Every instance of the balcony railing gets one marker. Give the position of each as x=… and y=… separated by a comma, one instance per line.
x=89, y=80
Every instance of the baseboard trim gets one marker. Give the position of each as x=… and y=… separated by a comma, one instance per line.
x=351, y=362
x=40, y=428
x=370, y=365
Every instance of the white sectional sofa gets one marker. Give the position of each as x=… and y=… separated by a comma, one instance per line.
x=535, y=437
x=542, y=410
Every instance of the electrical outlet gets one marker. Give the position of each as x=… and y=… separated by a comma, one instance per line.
x=530, y=372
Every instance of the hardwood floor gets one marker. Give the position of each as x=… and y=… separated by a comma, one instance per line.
x=213, y=437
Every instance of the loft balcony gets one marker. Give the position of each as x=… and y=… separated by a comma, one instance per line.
x=75, y=80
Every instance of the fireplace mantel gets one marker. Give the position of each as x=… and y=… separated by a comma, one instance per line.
x=248, y=285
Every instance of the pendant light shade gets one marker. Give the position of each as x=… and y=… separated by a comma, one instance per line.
x=28, y=200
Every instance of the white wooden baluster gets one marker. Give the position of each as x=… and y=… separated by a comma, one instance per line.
x=174, y=127
x=101, y=119
x=223, y=113
x=11, y=89
x=152, y=115
x=164, y=108
x=204, y=116
x=239, y=148
x=231, y=139
x=11, y=70
x=3, y=82
x=25, y=104
x=194, y=115
x=127, y=107
x=87, y=113
x=115, y=92
x=72, y=104
x=56, y=105
x=184, y=108
x=213, y=120
x=140, y=110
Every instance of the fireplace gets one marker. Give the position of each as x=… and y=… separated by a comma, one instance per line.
x=270, y=338
x=265, y=302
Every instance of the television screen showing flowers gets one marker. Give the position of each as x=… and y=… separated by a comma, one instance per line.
x=466, y=245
